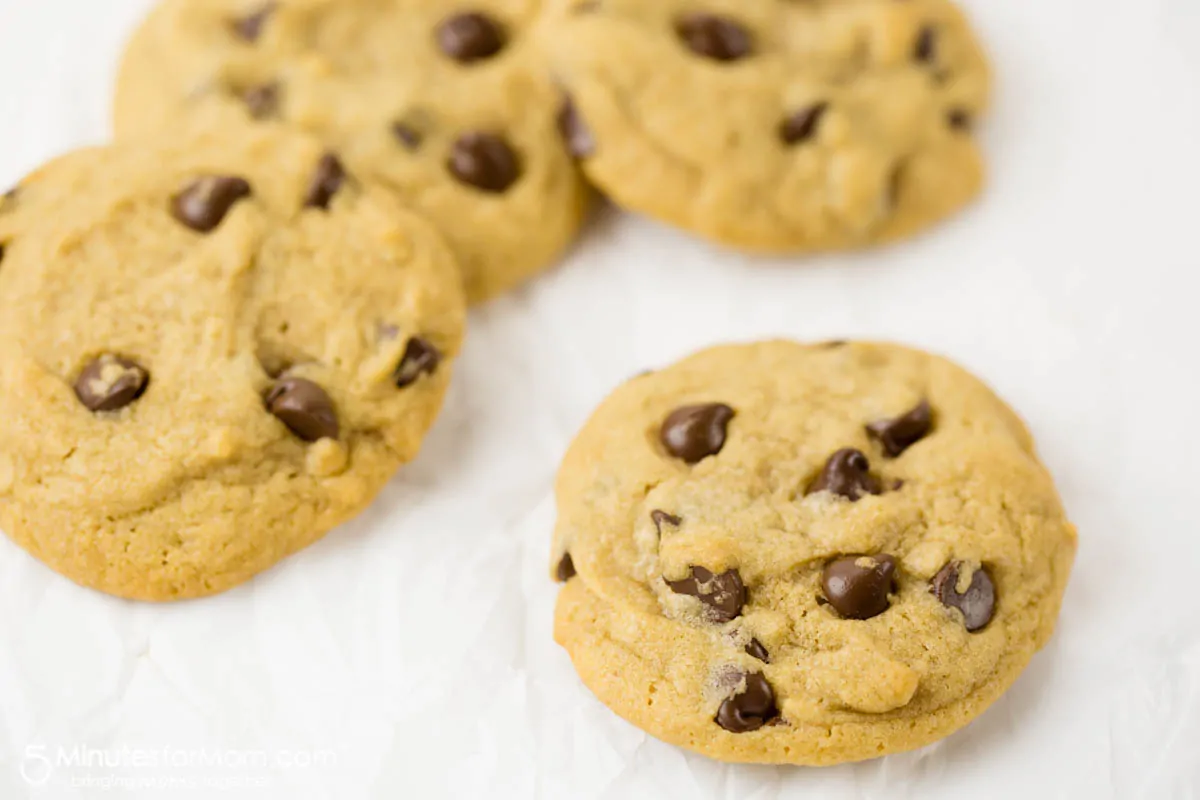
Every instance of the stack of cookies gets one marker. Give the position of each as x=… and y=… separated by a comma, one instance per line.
x=221, y=336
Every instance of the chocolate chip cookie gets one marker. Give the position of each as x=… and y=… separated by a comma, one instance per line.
x=449, y=104
x=213, y=350
x=775, y=125
x=805, y=554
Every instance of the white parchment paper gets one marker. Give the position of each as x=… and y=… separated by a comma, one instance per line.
x=409, y=655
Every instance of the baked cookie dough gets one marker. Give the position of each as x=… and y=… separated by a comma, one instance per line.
x=805, y=554
x=448, y=104
x=213, y=350
x=775, y=125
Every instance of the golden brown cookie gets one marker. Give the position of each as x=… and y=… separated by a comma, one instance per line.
x=448, y=104
x=213, y=350
x=806, y=554
x=775, y=125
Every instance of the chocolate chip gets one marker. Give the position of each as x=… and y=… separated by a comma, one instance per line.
x=204, y=202
x=485, y=161
x=847, y=474
x=925, y=49
x=977, y=603
x=723, y=594
x=566, y=569
x=693, y=433
x=858, y=586
x=326, y=182
x=899, y=434
x=304, y=407
x=574, y=131
x=1, y=254
x=262, y=101
x=801, y=126
x=756, y=650
x=420, y=358
x=750, y=709
x=959, y=119
x=470, y=37
x=660, y=518
x=408, y=135
x=110, y=383
x=714, y=36
x=250, y=27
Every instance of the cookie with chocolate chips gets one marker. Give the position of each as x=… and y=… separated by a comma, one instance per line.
x=800, y=554
x=213, y=349
x=775, y=125
x=450, y=105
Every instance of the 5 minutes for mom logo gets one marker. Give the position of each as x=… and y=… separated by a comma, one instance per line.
x=43, y=763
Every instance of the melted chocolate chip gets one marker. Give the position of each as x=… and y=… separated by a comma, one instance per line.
x=204, y=202
x=899, y=434
x=693, y=433
x=723, y=594
x=750, y=709
x=485, y=161
x=470, y=37
x=326, y=182
x=110, y=383
x=858, y=586
x=713, y=36
x=574, y=131
x=304, y=407
x=847, y=474
x=925, y=48
x=660, y=518
x=407, y=134
x=959, y=119
x=262, y=101
x=756, y=650
x=977, y=603
x=801, y=126
x=250, y=27
x=565, y=569
x=420, y=358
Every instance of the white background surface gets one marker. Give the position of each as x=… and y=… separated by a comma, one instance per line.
x=409, y=654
